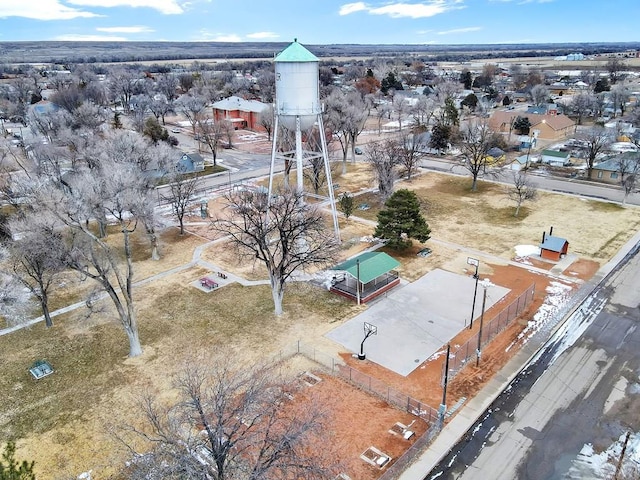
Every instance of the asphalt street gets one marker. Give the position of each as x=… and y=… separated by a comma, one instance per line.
x=580, y=390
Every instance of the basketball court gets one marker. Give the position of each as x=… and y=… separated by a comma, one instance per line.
x=416, y=320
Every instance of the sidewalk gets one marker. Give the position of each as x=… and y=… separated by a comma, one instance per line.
x=455, y=430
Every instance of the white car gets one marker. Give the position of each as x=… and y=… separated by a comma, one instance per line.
x=175, y=130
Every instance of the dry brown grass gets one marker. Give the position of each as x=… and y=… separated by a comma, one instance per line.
x=62, y=420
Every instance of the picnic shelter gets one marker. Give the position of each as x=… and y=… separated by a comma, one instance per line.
x=365, y=276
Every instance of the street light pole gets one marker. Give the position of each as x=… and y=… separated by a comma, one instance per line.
x=484, y=301
x=476, y=263
x=443, y=406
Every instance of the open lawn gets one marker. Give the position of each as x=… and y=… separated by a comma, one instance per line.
x=62, y=421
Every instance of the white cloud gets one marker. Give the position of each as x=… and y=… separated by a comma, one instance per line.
x=348, y=8
x=89, y=38
x=425, y=9
x=41, y=10
x=168, y=7
x=262, y=35
x=205, y=36
x=459, y=30
x=132, y=29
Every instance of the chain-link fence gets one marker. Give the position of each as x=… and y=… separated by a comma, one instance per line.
x=469, y=350
x=367, y=383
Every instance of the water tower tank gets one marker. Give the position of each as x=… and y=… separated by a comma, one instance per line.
x=297, y=86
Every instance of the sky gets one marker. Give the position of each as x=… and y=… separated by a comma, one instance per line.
x=322, y=21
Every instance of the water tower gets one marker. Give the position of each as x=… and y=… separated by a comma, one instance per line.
x=297, y=113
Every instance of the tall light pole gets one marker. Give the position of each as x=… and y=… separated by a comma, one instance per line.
x=485, y=284
x=475, y=262
x=443, y=406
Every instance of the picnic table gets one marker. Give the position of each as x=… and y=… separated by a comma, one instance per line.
x=208, y=283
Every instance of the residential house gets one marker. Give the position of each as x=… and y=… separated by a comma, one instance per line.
x=554, y=158
x=244, y=114
x=550, y=127
x=520, y=163
x=610, y=170
x=190, y=162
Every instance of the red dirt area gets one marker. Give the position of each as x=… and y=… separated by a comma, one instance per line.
x=424, y=383
x=357, y=421
x=582, y=268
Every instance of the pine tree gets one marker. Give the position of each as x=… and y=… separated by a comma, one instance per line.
x=400, y=221
x=10, y=469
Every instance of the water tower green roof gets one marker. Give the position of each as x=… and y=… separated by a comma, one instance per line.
x=296, y=53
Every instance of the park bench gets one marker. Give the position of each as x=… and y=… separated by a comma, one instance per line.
x=208, y=283
x=222, y=275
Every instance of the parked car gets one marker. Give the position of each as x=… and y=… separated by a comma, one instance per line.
x=358, y=151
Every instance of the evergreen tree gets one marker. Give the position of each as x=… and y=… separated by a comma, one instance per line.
x=522, y=125
x=400, y=221
x=450, y=112
x=602, y=85
x=470, y=101
x=346, y=204
x=10, y=469
x=466, y=79
x=440, y=136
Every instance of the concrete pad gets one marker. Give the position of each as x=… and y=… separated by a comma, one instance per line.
x=414, y=321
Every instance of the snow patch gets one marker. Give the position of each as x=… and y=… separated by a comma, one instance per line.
x=590, y=465
x=557, y=295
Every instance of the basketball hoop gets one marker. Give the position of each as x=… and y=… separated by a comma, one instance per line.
x=369, y=329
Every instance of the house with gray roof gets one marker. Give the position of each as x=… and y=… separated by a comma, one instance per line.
x=614, y=168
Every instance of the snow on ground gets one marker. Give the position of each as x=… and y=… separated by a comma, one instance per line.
x=590, y=465
x=523, y=252
x=557, y=295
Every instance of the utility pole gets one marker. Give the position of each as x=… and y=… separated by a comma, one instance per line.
x=484, y=301
x=443, y=405
x=624, y=448
x=476, y=263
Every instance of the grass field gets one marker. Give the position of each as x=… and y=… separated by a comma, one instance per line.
x=63, y=421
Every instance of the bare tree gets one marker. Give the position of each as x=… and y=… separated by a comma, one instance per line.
x=582, y=105
x=410, y=151
x=521, y=190
x=475, y=141
x=597, y=139
x=122, y=87
x=628, y=167
x=422, y=112
x=266, y=120
x=539, y=94
x=345, y=116
x=383, y=158
x=116, y=187
x=231, y=423
x=283, y=233
x=167, y=84
x=619, y=96
x=37, y=257
x=181, y=195
x=400, y=106
x=212, y=135
x=615, y=67
x=192, y=107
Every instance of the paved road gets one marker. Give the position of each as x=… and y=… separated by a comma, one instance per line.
x=550, y=183
x=581, y=389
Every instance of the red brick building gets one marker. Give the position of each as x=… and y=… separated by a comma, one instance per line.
x=243, y=114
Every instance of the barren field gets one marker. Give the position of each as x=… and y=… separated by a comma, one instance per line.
x=63, y=421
